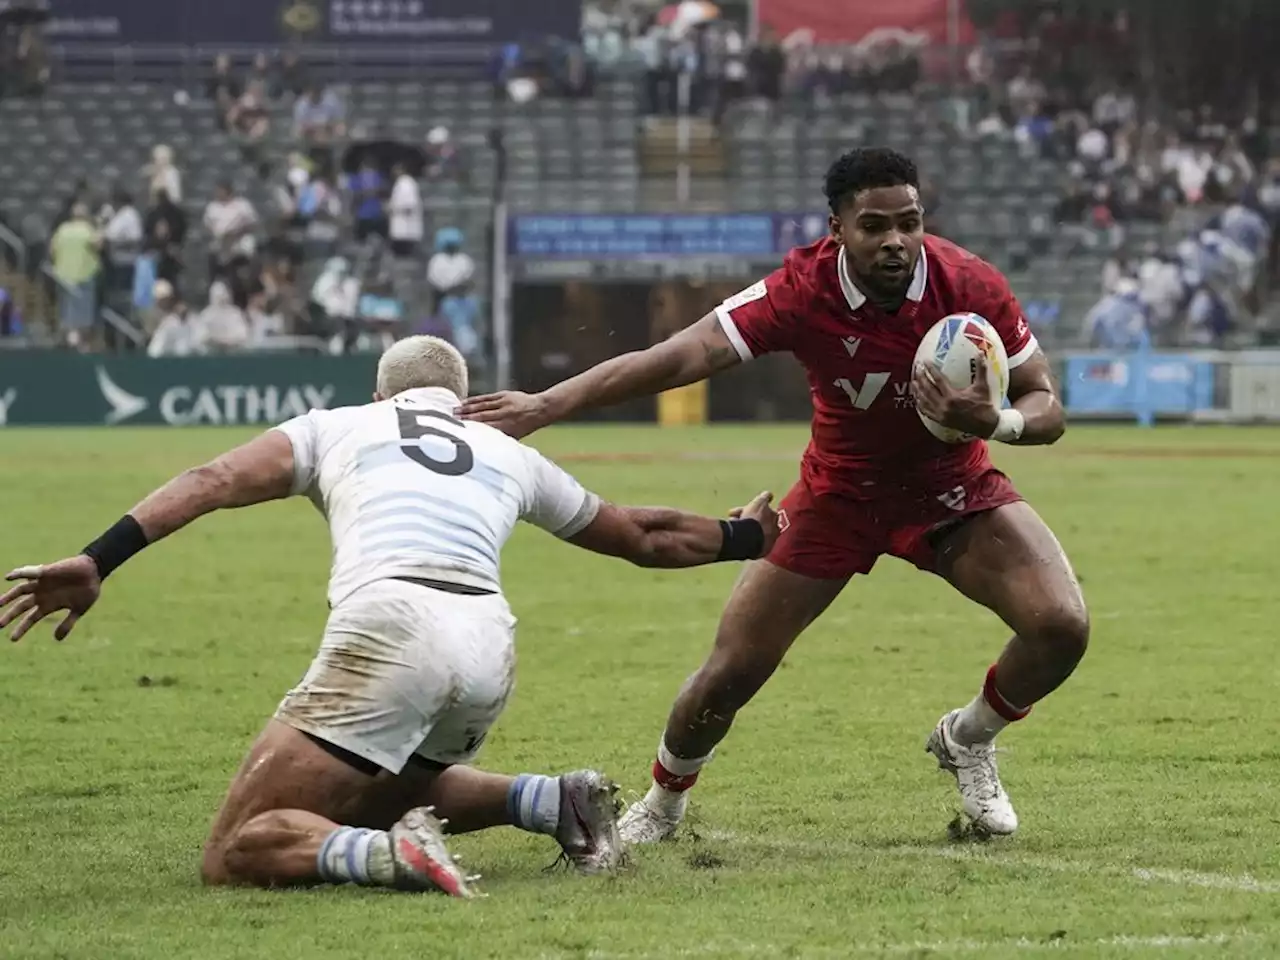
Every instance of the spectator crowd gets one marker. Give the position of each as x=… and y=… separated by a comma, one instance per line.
x=1199, y=172
x=334, y=252
x=720, y=64
x=325, y=239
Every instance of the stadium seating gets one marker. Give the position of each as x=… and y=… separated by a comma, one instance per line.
x=583, y=155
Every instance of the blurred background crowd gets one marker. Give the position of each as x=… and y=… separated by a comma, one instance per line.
x=1117, y=160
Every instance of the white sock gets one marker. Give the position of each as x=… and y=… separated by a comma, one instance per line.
x=357, y=855
x=977, y=723
x=670, y=803
x=672, y=778
x=533, y=802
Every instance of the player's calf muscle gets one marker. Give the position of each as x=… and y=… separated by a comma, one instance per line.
x=274, y=848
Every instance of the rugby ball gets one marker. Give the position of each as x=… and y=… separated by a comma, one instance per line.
x=954, y=343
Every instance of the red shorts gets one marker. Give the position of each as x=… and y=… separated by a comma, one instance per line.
x=828, y=536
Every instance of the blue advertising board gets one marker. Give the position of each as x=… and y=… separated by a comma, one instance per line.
x=638, y=236
x=313, y=21
x=1137, y=384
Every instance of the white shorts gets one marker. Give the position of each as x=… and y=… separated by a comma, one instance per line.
x=406, y=669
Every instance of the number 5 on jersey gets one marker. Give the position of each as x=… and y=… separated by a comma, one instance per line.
x=414, y=425
x=863, y=397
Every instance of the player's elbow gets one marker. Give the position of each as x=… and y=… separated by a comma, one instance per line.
x=1057, y=427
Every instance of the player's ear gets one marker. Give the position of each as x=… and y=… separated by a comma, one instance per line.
x=377, y=397
x=837, y=228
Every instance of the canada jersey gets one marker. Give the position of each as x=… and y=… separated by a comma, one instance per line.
x=866, y=436
x=410, y=491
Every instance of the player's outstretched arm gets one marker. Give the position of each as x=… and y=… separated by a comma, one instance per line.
x=693, y=354
x=260, y=470
x=255, y=472
x=664, y=537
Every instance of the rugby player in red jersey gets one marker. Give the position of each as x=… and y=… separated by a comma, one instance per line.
x=852, y=308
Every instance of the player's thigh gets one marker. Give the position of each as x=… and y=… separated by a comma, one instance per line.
x=768, y=609
x=1008, y=560
x=824, y=541
x=287, y=769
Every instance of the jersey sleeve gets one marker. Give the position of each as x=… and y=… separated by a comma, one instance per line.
x=304, y=434
x=555, y=501
x=757, y=320
x=1005, y=314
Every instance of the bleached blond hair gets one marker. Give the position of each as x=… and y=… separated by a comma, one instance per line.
x=421, y=361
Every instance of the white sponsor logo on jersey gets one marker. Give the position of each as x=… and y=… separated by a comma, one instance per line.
x=754, y=292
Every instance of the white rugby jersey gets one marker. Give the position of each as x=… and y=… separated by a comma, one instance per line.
x=411, y=491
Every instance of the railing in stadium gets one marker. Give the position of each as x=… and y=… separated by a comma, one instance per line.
x=188, y=65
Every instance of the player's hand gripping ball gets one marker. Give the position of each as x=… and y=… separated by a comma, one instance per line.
x=956, y=351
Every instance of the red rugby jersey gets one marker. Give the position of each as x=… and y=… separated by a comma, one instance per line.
x=866, y=438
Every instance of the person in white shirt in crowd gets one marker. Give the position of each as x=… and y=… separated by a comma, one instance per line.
x=1189, y=165
x=297, y=176
x=123, y=236
x=992, y=125
x=335, y=302
x=178, y=333
x=1116, y=271
x=1093, y=147
x=1164, y=288
x=319, y=116
x=1247, y=228
x=450, y=269
x=369, y=757
x=223, y=326
x=406, y=213
x=231, y=222
x=162, y=175
x=1114, y=108
x=1024, y=90
x=1119, y=321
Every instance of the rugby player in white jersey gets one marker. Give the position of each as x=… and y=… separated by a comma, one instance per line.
x=366, y=761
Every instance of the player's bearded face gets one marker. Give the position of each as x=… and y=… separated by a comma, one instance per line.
x=882, y=230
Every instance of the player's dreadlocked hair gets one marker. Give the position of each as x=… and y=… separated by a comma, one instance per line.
x=865, y=169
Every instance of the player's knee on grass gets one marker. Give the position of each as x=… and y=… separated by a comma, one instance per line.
x=225, y=855
x=275, y=847
x=213, y=868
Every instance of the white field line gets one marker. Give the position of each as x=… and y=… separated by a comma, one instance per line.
x=946, y=948
x=1012, y=859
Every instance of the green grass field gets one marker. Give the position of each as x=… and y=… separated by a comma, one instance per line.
x=1147, y=787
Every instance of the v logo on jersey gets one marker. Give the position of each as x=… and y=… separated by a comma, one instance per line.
x=851, y=344
x=863, y=397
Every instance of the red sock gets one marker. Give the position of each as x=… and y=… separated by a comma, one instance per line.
x=673, y=773
x=671, y=781
x=997, y=702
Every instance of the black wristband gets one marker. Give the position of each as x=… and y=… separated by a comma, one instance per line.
x=118, y=544
x=743, y=540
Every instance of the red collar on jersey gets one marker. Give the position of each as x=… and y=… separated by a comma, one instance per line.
x=857, y=299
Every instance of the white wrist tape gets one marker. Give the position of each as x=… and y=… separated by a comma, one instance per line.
x=1010, y=427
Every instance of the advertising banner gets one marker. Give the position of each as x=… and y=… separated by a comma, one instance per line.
x=635, y=236
x=246, y=22
x=925, y=21
x=48, y=388
x=1131, y=384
